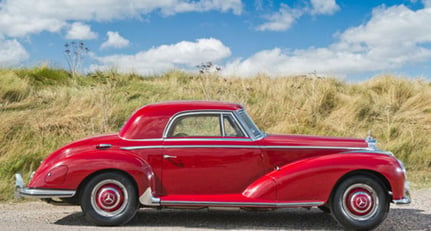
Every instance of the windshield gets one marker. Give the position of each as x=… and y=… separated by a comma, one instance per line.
x=248, y=122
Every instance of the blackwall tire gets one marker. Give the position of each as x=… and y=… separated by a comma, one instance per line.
x=360, y=203
x=324, y=208
x=109, y=199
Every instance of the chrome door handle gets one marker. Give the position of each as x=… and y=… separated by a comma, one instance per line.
x=169, y=157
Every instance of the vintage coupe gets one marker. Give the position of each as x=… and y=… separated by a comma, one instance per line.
x=206, y=154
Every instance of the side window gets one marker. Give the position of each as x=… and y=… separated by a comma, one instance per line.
x=196, y=125
x=231, y=128
x=249, y=123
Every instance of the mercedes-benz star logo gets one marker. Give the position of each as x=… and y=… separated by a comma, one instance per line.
x=361, y=202
x=109, y=198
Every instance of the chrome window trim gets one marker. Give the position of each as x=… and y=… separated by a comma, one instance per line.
x=203, y=112
x=244, y=124
x=221, y=121
x=240, y=125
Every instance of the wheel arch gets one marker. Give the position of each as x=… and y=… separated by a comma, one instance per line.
x=102, y=171
x=84, y=166
x=364, y=172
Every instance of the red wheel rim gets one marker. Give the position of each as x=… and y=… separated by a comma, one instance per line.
x=360, y=202
x=109, y=198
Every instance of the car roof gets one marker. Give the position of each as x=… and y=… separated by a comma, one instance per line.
x=149, y=121
x=173, y=107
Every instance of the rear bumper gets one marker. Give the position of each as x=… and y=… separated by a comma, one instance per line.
x=21, y=191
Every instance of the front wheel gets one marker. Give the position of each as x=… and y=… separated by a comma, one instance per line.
x=109, y=199
x=360, y=203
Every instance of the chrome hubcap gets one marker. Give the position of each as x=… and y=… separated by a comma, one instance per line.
x=360, y=202
x=109, y=198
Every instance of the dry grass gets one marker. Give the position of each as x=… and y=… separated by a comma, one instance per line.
x=41, y=110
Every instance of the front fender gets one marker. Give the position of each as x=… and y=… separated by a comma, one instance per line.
x=314, y=179
x=69, y=172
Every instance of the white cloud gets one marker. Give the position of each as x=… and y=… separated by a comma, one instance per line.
x=19, y=18
x=284, y=18
x=80, y=31
x=204, y=5
x=392, y=38
x=427, y=3
x=115, y=40
x=326, y=7
x=281, y=20
x=163, y=58
x=12, y=53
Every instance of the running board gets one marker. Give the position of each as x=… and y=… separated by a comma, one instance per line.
x=242, y=204
x=147, y=199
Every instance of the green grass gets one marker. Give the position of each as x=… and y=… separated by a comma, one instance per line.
x=42, y=109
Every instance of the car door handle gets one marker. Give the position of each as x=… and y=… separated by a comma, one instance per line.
x=169, y=157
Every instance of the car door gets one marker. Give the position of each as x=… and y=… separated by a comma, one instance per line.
x=209, y=153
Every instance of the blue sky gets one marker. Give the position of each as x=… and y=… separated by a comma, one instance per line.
x=348, y=39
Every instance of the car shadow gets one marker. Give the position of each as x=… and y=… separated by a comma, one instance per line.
x=301, y=219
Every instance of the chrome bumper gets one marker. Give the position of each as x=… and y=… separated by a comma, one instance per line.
x=406, y=199
x=21, y=191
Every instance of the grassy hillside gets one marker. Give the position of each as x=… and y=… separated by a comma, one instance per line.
x=42, y=109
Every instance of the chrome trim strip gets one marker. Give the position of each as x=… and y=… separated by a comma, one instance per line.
x=141, y=147
x=240, y=204
x=371, y=151
x=311, y=147
x=155, y=139
x=208, y=139
x=240, y=146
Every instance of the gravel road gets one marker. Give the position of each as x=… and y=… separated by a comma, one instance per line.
x=36, y=215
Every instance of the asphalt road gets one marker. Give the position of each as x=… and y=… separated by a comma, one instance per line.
x=36, y=215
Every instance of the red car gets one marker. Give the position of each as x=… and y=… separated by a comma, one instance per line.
x=210, y=154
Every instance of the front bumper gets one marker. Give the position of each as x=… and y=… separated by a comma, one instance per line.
x=406, y=199
x=21, y=191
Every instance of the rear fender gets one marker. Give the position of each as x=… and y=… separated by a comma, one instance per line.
x=80, y=167
x=314, y=179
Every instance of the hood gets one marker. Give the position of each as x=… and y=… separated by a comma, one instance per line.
x=314, y=141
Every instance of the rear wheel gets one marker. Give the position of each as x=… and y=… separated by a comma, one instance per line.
x=109, y=199
x=360, y=203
